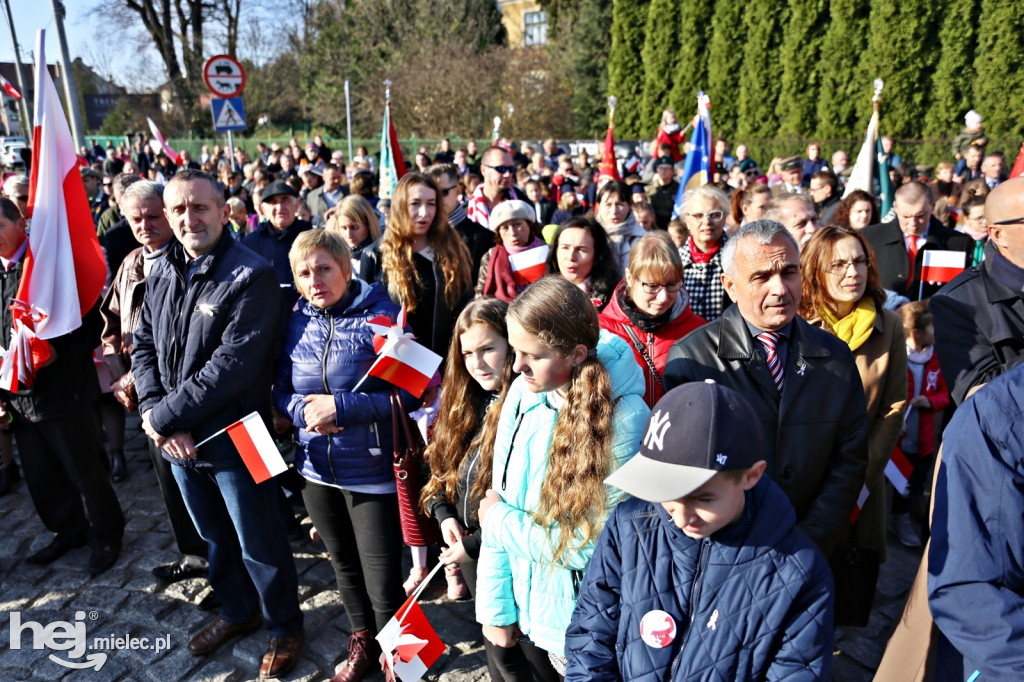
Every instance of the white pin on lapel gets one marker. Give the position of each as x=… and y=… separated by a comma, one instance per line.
x=801, y=368
x=713, y=620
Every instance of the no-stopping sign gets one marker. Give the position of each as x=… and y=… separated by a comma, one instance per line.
x=224, y=76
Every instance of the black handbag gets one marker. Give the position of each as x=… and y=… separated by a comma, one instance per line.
x=855, y=570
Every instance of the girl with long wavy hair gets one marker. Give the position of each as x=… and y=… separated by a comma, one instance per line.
x=572, y=416
x=461, y=444
x=422, y=261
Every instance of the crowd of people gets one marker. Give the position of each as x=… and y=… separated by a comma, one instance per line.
x=652, y=459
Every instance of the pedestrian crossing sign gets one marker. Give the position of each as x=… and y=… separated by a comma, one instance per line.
x=228, y=114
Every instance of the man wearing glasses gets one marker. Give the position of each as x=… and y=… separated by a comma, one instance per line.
x=979, y=316
x=499, y=174
x=479, y=240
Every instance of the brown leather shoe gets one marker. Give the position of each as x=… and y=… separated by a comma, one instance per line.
x=281, y=656
x=218, y=632
x=362, y=654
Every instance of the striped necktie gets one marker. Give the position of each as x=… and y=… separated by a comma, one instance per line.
x=770, y=341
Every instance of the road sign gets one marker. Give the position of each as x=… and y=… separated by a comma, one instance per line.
x=224, y=76
x=228, y=114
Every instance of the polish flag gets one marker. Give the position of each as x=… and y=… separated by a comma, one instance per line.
x=1018, y=165
x=861, y=499
x=898, y=470
x=942, y=266
x=401, y=360
x=9, y=89
x=257, y=448
x=64, y=269
x=409, y=642
x=529, y=266
x=171, y=154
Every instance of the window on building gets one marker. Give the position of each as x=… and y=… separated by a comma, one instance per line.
x=535, y=28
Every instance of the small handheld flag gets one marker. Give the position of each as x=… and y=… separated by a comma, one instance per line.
x=409, y=643
x=401, y=360
x=942, y=266
x=898, y=470
x=9, y=89
x=259, y=453
x=529, y=266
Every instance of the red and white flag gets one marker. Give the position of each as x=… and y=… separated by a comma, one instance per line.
x=171, y=154
x=409, y=643
x=401, y=360
x=898, y=470
x=64, y=269
x=1018, y=165
x=861, y=499
x=257, y=448
x=529, y=266
x=9, y=89
x=942, y=266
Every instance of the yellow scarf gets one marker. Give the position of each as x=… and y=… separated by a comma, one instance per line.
x=856, y=327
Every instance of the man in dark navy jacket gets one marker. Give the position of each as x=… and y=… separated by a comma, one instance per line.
x=202, y=361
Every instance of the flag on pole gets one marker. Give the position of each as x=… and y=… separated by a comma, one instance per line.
x=609, y=169
x=863, y=173
x=401, y=361
x=699, y=166
x=392, y=165
x=898, y=470
x=1018, y=165
x=63, y=269
x=886, y=192
x=409, y=643
x=257, y=448
x=171, y=154
x=9, y=89
x=942, y=266
x=529, y=266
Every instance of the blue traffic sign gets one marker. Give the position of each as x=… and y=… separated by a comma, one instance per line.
x=228, y=114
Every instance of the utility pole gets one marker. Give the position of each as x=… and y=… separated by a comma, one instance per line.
x=26, y=124
x=70, y=92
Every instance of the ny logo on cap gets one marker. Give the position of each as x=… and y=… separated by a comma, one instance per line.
x=656, y=430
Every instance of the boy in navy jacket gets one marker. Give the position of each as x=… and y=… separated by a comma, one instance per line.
x=705, y=576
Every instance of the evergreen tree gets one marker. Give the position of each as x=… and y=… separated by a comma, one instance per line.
x=660, y=56
x=725, y=62
x=802, y=41
x=581, y=49
x=953, y=80
x=903, y=51
x=625, y=70
x=761, y=77
x=999, y=84
x=691, y=74
x=844, y=104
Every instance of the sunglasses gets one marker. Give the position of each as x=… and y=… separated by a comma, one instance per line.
x=445, y=191
x=502, y=169
x=1009, y=221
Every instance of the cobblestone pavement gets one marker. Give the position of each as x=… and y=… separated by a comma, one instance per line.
x=128, y=601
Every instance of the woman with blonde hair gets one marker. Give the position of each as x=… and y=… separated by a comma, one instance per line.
x=422, y=261
x=670, y=133
x=354, y=220
x=650, y=309
x=460, y=450
x=841, y=295
x=575, y=413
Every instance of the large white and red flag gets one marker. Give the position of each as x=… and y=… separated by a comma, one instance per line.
x=409, y=643
x=257, y=448
x=64, y=270
x=401, y=361
x=529, y=266
x=942, y=266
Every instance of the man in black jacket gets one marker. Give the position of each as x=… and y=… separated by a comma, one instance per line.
x=801, y=381
x=202, y=361
x=899, y=242
x=979, y=316
x=56, y=427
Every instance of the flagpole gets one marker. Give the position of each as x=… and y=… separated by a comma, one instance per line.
x=70, y=91
x=207, y=440
x=26, y=125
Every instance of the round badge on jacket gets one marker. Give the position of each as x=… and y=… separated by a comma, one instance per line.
x=657, y=629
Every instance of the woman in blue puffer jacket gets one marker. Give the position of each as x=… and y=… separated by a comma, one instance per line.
x=344, y=435
x=575, y=413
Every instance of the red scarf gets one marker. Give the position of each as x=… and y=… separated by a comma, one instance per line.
x=500, y=283
x=698, y=256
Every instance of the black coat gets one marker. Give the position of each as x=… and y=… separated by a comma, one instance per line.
x=979, y=328
x=889, y=245
x=815, y=438
x=478, y=239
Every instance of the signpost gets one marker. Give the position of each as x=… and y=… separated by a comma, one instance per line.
x=225, y=77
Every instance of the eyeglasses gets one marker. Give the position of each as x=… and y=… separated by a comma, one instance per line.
x=22, y=197
x=840, y=267
x=502, y=169
x=713, y=216
x=752, y=172
x=655, y=288
x=108, y=184
x=445, y=191
x=1009, y=221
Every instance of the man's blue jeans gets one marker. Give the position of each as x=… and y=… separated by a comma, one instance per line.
x=250, y=559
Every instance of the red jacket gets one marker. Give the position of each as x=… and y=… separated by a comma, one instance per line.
x=933, y=387
x=682, y=321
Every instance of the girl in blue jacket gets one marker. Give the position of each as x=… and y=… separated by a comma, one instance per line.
x=344, y=436
x=572, y=416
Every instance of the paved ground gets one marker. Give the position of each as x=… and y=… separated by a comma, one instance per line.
x=128, y=601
